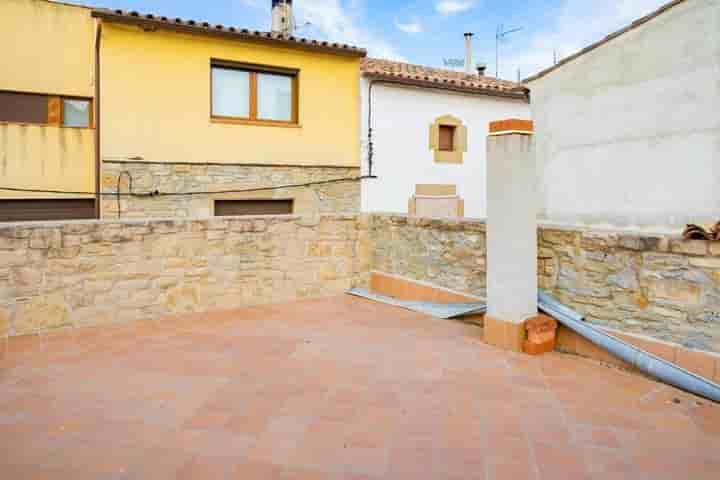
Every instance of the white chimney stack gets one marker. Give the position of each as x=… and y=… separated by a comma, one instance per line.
x=468, y=54
x=282, y=17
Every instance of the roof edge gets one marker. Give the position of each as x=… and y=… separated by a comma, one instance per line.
x=205, y=28
x=521, y=93
x=637, y=23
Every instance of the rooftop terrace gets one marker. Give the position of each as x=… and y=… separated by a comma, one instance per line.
x=336, y=389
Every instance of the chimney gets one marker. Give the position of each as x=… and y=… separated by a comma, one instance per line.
x=468, y=53
x=282, y=17
x=481, y=67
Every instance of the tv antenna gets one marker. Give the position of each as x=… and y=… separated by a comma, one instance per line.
x=500, y=35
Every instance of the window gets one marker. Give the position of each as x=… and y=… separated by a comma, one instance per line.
x=16, y=107
x=229, y=208
x=51, y=209
x=447, y=138
x=76, y=113
x=252, y=94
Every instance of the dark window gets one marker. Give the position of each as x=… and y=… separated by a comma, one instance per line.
x=230, y=208
x=45, y=109
x=23, y=108
x=447, y=138
x=254, y=94
x=41, y=209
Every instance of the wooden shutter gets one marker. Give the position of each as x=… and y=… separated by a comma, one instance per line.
x=46, y=209
x=447, y=138
x=23, y=108
x=231, y=208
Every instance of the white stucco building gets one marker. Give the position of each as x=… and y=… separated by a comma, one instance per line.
x=429, y=131
x=628, y=129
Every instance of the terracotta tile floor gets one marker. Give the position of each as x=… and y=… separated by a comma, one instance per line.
x=333, y=389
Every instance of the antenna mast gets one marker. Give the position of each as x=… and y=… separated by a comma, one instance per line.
x=500, y=35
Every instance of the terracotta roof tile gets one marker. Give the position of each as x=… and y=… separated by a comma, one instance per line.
x=194, y=26
x=422, y=76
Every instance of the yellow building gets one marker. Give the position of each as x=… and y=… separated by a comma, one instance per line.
x=194, y=119
x=47, y=140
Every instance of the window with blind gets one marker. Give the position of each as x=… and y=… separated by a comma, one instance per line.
x=244, y=93
x=19, y=107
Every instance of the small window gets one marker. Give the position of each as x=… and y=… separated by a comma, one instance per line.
x=41, y=209
x=248, y=93
x=16, y=107
x=231, y=208
x=76, y=113
x=447, y=138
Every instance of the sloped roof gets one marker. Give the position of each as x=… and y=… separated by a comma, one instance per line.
x=205, y=28
x=422, y=76
x=612, y=36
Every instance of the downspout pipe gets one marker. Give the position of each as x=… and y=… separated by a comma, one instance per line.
x=96, y=117
x=645, y=362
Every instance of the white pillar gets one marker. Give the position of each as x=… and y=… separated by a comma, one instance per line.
x=511, y=233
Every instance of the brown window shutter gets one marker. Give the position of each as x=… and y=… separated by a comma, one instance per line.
x=231, y=208
x=46, y=209
x=447, y=138
x=23, y=107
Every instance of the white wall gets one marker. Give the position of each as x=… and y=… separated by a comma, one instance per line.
x=629, y=134
x=401, y=123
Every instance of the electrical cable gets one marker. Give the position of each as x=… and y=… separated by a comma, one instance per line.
x=156, y=193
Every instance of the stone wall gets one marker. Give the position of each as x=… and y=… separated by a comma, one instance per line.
x=97, y=272
x=659, y=285
x=147, y=177
x=445, y=253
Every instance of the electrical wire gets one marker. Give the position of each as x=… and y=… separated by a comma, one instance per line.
x=156, y=193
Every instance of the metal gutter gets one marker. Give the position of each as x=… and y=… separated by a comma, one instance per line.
x=645, y=362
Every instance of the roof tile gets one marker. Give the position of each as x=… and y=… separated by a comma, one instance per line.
x=420, y=75
x=135, y=17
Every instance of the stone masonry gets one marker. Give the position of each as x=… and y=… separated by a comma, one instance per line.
x=147, y=177
x=659, y=286
x=98, y=272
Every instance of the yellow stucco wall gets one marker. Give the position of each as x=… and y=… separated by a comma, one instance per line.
x=155, y=102
x=46, y=48
x=50, y=158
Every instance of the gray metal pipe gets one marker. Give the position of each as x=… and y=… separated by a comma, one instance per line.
x=645, y=362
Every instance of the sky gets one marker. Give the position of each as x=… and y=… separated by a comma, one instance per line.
x=429, y=32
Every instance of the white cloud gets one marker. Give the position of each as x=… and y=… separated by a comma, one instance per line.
x=451, y=7
x=341, y=21
x=571, y=27
x=410, y=27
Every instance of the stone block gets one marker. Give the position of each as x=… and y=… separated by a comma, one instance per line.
x=714, y=248
x=43, y=238
x=689, y=247
x=676, y=291
x=319, y=249
x=183, y=299
x=41, y=313
x=712, y=263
